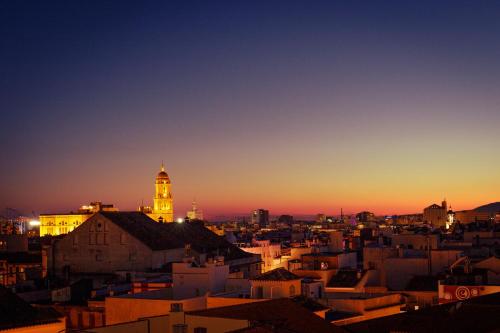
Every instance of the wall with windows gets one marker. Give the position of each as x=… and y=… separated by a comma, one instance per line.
x=275, y=289
x=99, y=246
x=129, y=308
x=195, y=281
x=165, y=323
x=60, y=224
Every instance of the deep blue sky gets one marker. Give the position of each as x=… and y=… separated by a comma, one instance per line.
x=294, y=106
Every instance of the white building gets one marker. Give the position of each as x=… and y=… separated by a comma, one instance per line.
x=191, y=280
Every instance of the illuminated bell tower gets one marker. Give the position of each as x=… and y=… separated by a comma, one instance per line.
x=163, y=210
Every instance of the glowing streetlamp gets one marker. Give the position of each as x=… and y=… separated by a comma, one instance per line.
x=34, y=223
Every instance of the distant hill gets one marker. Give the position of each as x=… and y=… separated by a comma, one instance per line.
x=493, y=207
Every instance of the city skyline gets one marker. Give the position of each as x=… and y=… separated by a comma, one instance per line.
x=180, y=213
x=297, y=108
x=223, y=166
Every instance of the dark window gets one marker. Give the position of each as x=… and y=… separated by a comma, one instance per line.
x=200, y=330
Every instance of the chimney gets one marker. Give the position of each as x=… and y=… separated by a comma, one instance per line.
x=401, y=252
x=219, y=261
x=176, y=307
x=187, y=260
x=179, y=328
x=187, y=250
x=177, y=319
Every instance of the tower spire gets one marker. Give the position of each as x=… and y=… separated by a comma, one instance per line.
x=162, y=201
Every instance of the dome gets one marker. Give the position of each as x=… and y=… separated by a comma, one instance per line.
x=162, y=175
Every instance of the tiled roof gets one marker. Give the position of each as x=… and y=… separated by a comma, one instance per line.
x=163, y=236
x=478, y=315
x=14, y=312
x=257, y=329
x=324, y=254
x=261, y=329
x=345, y=279
x=309, y=303
x=278, y=274
x=283, y=315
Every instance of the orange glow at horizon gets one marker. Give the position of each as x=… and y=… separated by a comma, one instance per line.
x=281, y=190
x=298, y=109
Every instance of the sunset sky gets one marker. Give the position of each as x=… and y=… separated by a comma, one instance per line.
x=299, y=107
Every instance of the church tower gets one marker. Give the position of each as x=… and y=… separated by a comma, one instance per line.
x=444, y=205
x=163, y=210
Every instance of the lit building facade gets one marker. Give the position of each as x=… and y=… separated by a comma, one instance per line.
x=163, y=209
x=260, y=217
x=437, y=215
x=471, y=216
x=60, y=224
x=269, y=253
x=194, y=213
